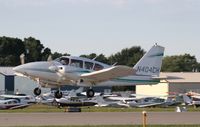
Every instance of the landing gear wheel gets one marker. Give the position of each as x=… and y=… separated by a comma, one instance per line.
x=37, y=91
x=90, y=93
x=58, y=94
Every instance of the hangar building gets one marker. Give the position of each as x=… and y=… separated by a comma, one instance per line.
x=179, y=82
x=10, y=83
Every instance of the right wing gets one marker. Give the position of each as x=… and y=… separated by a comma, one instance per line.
x=108, y=73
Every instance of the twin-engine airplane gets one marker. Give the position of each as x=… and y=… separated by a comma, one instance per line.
x=78, y=71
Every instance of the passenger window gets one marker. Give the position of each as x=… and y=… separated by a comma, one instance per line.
x=88, y=65
x=64, y=61
x=98, y=67
x=77, y=63
x=14, y=102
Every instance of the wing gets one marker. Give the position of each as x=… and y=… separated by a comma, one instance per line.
x=150, y=105
x=108, y=73
x=20, y=106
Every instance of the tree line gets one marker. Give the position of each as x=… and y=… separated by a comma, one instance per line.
x=34, y=50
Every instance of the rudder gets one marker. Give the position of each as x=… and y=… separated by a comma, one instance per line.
x=150, y=63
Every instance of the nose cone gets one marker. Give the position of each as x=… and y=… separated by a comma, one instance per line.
x=32, y=69
x=19, y=69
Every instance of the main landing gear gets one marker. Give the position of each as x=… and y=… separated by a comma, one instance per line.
x=57, y=94
x=37, y=91
x=90, y=93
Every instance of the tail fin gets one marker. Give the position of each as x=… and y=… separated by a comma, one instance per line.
x=150, y=63
x=187, y=100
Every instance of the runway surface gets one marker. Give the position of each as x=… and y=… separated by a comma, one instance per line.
x=97, y=118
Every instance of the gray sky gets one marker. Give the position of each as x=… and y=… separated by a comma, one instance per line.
x=104, y=26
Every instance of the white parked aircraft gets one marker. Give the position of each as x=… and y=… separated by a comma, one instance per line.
x=146, y=102
x=78, y=71
x=21, y=97
x=12, y=104
x=111, y=103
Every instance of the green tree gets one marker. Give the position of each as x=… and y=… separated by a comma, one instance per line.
x=101, y=58
x=45, y=54
x=179, y=63
x=10, y=50
x=57, y=55
x=33, y=49
x=90, y=56
x=197, y=69
x=127, y=56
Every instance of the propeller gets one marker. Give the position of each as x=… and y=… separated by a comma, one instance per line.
x=59, y=70
x=53, y=68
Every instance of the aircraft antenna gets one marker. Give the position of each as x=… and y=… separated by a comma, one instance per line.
x=114, y=64
x=94, y=58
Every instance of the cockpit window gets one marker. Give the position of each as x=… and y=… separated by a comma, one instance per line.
x=97, y=67
x=88, y=65
x=77, y=63
x=64, y=61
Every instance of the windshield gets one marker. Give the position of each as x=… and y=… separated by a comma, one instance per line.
x=63, y=60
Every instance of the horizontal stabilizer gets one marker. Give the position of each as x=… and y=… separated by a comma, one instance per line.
x=167, y=77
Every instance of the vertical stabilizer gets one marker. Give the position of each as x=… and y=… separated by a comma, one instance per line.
x=150, y=63
x=187, y=100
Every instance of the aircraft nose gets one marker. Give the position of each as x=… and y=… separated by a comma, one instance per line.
x=18, y=69
x=31, y=68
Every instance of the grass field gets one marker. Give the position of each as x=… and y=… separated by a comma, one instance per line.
x=45, y=108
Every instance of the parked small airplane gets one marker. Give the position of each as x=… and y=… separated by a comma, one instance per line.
x=21, y=97
x=12, y=104
x=146, y=102
x=109, y=103
x=78, y=71
x=75, y=102
x=190, y=99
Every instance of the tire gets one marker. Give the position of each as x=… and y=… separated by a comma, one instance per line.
x=37, y=91
x=90, y=93
x=58, y=94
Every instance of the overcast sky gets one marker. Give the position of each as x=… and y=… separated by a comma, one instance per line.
x=105, y=26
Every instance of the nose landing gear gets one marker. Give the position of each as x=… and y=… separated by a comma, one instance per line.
x=37, y=91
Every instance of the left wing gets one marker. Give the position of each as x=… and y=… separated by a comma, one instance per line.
x=108, y=73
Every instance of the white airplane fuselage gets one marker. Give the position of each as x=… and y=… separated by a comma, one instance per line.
x=70, y=75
